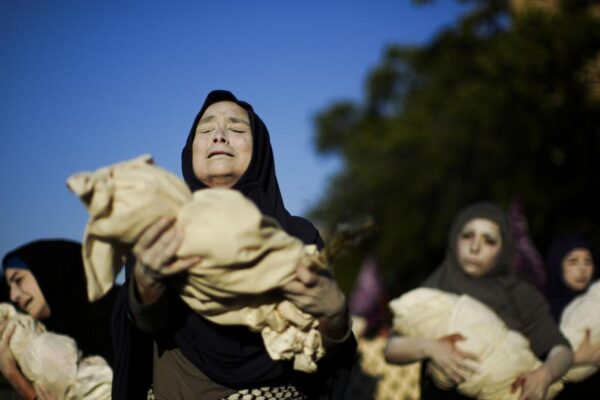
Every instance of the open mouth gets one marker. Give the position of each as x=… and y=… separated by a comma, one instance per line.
x=25, y=304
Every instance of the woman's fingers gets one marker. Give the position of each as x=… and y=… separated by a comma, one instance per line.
x=293, y=287
x=153, y=232
x=517, y=384
x=157, y=246
x=7, y=332
x=170, y=242
x=453, y=338
x=180, y=265
x=3, y=326
x=467, y=355
x=306, y=276
x=588, y=335
x=457, y=377
x=452, y=371
x=466, y=368
x=163, y=249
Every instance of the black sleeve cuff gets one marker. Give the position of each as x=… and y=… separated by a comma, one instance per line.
x=148, y=318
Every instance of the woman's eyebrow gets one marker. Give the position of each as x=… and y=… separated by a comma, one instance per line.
x=206, y=119
x=12, y=277
x=238, y=120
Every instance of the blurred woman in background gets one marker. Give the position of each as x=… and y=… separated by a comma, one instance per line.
x=45, y=279
x=571, y=271
x=477, y=261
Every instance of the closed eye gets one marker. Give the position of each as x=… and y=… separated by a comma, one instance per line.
x=205, y=128
x=237, y=127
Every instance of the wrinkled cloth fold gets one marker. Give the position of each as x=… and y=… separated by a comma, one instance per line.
x=581, y=314
x=503, y=354
x=52, y=362
x=245, y=256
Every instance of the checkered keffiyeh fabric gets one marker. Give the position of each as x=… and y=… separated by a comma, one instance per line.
x=374, y=379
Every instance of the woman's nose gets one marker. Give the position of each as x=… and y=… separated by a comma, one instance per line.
x=220, y=136
x=15, y=295
x=475, y=245
x=581, y=267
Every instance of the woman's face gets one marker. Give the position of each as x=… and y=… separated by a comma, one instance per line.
x=26, y=293
x=222, y=147
x=578, y=269
x=479, y=244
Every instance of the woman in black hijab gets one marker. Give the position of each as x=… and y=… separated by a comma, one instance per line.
x=571, y=271
x=46, y=280
x=228, y=146
x=478, y=255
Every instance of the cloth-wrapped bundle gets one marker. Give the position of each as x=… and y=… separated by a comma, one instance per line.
x=52, y=362
x=581, y=314
x=503, y=354
x=245, y=256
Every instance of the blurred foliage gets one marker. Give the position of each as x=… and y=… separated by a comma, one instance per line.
x=494, y=108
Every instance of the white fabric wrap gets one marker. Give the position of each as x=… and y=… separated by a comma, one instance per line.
x=503, y=354
x=581, y=314
x=52, y=362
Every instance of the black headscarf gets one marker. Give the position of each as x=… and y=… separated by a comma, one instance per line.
x=57, y=266
x=259, y=182
x=516, y=302
x=559, y=295
x=232, y=355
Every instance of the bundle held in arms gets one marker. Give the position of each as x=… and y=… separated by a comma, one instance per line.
x=503, y=354
x=52, y=362
x=581, y=314
x=245, y=256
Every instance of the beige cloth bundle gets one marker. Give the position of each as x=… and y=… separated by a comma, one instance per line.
x=582, y=313
x=52, y=361
x=503, y=354
x=245, y=256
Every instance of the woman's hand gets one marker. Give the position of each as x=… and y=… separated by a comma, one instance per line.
x=155, y=253
x=453, y=362
x=315, y=292
x=534, y=384
x=588, y=353
x=8, y=363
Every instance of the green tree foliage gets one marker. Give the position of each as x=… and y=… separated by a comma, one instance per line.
x=494, y=108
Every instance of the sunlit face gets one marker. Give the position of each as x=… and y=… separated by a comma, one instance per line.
x=578, y=269
x=479, y=244
x=222, y=147
x=26, y=293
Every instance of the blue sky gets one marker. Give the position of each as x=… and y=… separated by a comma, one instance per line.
x=89, y=83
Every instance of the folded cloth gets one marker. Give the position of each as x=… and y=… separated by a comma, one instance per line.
x=581, y=314
x=503, y=354
x=52, y=362
x=245, y=256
